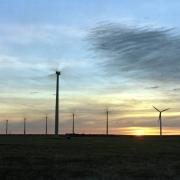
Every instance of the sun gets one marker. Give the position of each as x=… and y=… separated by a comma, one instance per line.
x=139, y=132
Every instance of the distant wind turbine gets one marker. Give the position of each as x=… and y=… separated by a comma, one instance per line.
x=160, y=119
x=6, y=127
x=46, y=125
x=73, y=125
x=24, y=126
x=107, y=122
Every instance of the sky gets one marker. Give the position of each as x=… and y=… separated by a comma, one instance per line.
x=120, y=54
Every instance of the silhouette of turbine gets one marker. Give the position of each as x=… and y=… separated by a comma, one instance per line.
x=46, y=125
x=24, y=126
x=58, y=73
x=107, y=122
x=6, y=127
x=73, y=124
x=160, y=119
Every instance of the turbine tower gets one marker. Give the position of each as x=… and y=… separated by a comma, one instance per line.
x=24, y=126
x=6, y=127
x=107, y=122
x=160, y=119
x=57, y=104
x=46, y=125
x=73, y=124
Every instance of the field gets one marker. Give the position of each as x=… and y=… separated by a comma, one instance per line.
x=89, y=158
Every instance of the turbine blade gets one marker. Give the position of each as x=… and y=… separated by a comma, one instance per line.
x=156, y=109
x=165, y=109
x=51, y=76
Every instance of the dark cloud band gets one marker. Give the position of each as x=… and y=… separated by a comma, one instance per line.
x=137, y=52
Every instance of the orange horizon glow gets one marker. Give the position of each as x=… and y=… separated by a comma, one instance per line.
x=135, y=131
x=140, y=131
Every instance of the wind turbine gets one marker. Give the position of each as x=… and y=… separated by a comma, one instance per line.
x=73, y=124
x=46, y=125
x=58, y=73
x=55, y=67
x=107, y=122
x=6, y=127
x=24, y=126
x=160, y=120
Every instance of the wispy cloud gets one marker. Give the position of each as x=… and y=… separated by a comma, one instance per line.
x=34, y=92
x=152, y=87
x=176, y=89
x=45, y=33
x=13, y=62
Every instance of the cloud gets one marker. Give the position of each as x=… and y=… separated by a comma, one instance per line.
x=142, y=53
x=152, y=87
x=29, y=33
x=35, y=72
x=13, y=62
x=34, y=92
x=176, y=89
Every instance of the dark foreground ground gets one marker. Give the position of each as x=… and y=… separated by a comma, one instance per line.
x=89, y=158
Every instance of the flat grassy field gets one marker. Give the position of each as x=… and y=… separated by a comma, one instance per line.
x=89, y=158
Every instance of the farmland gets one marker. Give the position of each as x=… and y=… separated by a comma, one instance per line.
x=89, y=157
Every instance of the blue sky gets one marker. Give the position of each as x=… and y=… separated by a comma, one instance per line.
x=84, y=12
x=37, y=37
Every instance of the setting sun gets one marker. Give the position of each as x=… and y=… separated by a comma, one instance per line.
x=139, y=132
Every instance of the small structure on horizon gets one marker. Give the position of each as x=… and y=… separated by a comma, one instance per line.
x=73, y=132
x=6, y=127
x=107, y=122
x=24, y=126
x=46, y=126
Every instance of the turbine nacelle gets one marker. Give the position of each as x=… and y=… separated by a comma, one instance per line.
x=58, y=73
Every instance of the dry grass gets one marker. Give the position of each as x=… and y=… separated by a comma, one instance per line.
x=89, y=158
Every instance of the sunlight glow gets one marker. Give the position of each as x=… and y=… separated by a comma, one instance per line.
x=139, y=132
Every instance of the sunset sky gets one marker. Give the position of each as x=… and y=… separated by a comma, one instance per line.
x=122, y=55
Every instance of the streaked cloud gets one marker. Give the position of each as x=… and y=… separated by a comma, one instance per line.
x=137, y=52
x=152, y=87
x=32, y=33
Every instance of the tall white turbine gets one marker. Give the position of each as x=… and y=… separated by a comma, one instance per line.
x=160, y=119
x=57, y=104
